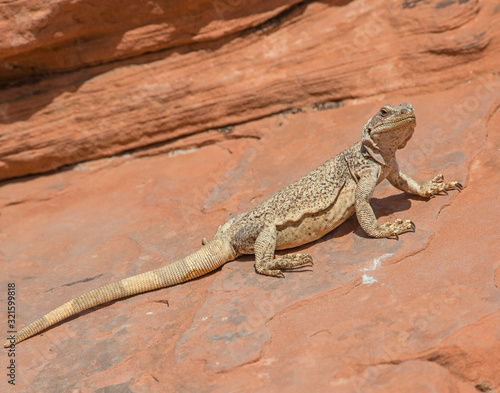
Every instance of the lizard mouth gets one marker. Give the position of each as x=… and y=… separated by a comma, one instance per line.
x=395, y=124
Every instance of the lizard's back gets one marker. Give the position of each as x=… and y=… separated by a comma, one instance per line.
x=310, y=207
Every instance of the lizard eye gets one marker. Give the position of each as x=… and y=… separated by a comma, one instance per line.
x=383, y=112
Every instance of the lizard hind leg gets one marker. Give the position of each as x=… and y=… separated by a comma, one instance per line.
x=266, y=263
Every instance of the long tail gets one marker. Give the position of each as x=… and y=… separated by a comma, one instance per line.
x=205, y=260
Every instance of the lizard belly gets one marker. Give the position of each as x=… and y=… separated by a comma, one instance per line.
x=313, y=226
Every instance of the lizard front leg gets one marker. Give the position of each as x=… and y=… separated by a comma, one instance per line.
x=266, y=263
x=364, y=212
x=425, y=189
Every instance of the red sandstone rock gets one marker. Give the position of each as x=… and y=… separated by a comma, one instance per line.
x=40, y=37
x=420, y=314
x=310, y=53
x=373, y=315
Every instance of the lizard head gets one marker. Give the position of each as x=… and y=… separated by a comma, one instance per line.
x=390, y=129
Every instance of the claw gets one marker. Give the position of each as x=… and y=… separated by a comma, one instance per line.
x=281, y=275
x=432, y=195
x=446, y=192
x=459, y=187
x=413, y=226
x=397, y=236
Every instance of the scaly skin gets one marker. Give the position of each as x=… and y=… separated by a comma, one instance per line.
x=300, y=213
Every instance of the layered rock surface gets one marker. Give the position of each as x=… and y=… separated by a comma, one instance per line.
x=415, y=315
x=213, y=64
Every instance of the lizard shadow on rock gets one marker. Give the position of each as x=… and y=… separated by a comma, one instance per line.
x=382, y=207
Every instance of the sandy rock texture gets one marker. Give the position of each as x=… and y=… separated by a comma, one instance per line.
x=173, y=119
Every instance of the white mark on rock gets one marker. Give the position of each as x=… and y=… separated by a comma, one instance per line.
x=376, y=262
x=150, y=313
x=368, y=280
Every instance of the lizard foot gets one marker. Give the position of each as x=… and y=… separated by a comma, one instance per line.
x=398, y=227
x=293, y=260
x=273, y=267
x=436, y=186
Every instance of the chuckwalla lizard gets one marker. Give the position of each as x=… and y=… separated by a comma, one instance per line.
x=299, y=213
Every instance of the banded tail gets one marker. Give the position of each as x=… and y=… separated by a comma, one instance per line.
x=203, y=261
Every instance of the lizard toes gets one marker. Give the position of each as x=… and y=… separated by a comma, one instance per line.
x=306, y=259
x=294, y=260
x=438, y=178
x=271, y=272
x=401, y=226
x=451, y=186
